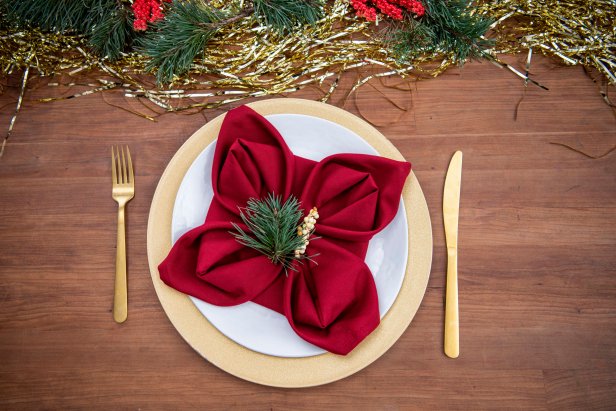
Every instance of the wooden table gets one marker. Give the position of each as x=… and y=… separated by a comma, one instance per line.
x=537, y=255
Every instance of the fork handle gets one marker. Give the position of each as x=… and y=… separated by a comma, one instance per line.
x=120, y=298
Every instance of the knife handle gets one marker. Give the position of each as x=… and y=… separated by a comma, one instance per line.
x=452, y=325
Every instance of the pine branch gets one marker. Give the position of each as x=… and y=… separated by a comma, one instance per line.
x=285, y=15
x=230, y=20
x=107, y=23
x=113, y=33
x=447, y=26
x=175, y=41
x=273, y=229
x=52, y=15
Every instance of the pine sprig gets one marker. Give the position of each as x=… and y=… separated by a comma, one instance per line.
x=106, y=23
x=446, y=27
x=114, y=31
x=176, y=40
x=272, y=229
x=52, y=15
x=284, y=15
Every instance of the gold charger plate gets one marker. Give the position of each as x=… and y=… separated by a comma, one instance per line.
x=278, y=371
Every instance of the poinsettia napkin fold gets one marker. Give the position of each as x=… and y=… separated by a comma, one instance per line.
x=333, y=302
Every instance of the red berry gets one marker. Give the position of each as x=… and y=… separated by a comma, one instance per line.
x=390, y=8
x=147, y=11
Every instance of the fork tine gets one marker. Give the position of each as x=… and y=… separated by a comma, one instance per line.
x=124, y=177
x=131, y=175
x=118, y=165
x=114, y=178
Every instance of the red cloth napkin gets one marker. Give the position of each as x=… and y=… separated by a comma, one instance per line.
x=334, y=304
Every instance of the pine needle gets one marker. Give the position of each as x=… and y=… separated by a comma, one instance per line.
x=175, y=41
x=284, y=15
x=106, y=23
x=114, y=31
x=447, y=26
x=272, y=229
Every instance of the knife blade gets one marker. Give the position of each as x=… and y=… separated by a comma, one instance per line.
x=451, y=211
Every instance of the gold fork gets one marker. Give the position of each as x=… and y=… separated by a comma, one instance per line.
x=123, y=190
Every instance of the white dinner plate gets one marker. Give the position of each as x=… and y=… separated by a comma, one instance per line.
x=249, y=324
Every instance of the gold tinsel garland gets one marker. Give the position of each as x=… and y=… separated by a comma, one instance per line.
x=244, y=60
x=247, y=60
x=576, y=31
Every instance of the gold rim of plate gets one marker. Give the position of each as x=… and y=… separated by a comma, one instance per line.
x=278, y=371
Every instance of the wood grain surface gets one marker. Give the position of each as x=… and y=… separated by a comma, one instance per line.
x=537, y=260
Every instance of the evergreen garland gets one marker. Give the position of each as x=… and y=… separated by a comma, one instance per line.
x=113, y=32
x=284, y=15
x=447, y=26
x=176, y=40
x=172, y=43
x=54, y=15
x=106, y=23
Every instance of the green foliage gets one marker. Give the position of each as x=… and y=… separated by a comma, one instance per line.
x=284, y=15
x=174, y=42
x=106, y=23
x=272, y=228
x=113, y=33
x=52, y=15
x=447, y=27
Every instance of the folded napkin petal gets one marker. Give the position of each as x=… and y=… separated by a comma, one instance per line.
x=357, y=194
x=209, y=264
x=332, y=303
x=250, y=161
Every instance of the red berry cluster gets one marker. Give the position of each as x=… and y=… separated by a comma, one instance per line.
x=391, y=8
x=147, y=11
x=413, y=6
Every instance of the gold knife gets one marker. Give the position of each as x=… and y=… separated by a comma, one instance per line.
x=451, y=211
